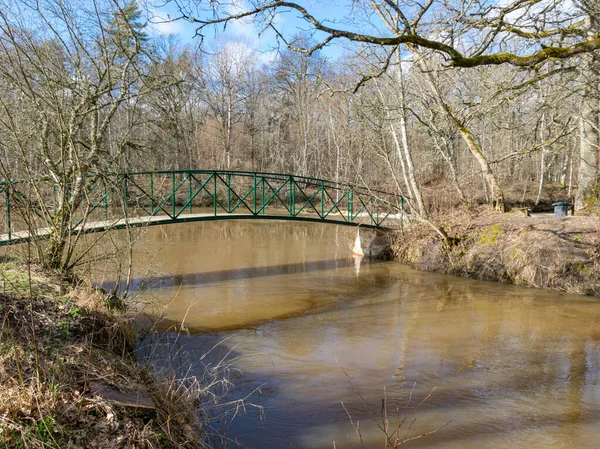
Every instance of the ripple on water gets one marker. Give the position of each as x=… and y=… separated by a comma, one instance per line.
x=508, y=367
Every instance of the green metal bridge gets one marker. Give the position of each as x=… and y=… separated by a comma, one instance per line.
x=179, y=196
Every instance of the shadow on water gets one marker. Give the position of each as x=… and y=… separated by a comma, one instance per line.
x=504, y=377
x=211, y=277
x=310, y=295
x=511, y=367
x=487, y=414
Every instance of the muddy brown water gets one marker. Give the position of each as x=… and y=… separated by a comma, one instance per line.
x=489, y=365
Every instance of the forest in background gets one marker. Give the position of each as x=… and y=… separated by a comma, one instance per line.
x=88, y=88
x=445, y=102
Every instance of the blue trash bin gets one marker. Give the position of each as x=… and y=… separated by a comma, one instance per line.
x=561, y=209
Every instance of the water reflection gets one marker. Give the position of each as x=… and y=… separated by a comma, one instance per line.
x=509, y=367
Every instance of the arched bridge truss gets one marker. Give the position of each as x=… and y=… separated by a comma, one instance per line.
x=176, y=196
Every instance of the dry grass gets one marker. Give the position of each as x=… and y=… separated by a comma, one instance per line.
x=55, y=341
x=395, y=425
x=539, y=251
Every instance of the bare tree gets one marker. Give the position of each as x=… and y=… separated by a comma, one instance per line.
x=522, y=33
x=589, y=134
x=226, y=90
x=177, y=112
x=299, y=78
x=68, y=68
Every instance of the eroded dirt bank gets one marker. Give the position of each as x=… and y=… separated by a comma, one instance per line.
x=538, y=251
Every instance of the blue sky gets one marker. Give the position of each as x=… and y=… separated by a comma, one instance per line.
x=247, y=31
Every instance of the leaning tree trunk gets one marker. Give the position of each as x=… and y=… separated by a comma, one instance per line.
x=588, y=149
x=588, y=155
x=588, y=130
x=497, y=195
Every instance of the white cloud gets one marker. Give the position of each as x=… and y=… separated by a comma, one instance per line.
x=243, y=27
x=267, y=57
x=248, y=30
x=168, y=27
x=245, y=30
x=161, y=23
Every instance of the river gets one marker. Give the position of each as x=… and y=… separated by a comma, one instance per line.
x=316, y=339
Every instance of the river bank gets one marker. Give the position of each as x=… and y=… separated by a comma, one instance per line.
x=535, y=251
x=289, y=308
x=69, y=376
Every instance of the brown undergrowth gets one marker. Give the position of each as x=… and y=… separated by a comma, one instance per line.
x=61, y=350
x=539, y=251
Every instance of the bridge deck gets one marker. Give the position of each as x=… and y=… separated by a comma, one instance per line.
x=168, y=197
x=100, y=226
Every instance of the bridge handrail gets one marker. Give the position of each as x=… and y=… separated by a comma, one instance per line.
x=351, y=204
x=315, y=181
x=280, y=176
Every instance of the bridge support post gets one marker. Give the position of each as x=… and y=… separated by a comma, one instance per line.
x=214, y=175
x=7, y=208
x=105, y=203
x=322, y=200
x=173, y=195
x=151, y=195
x=190, y=191
x=255, y=187
x=262, y=196
x=125, y=196
x=228, y=194
x=401, y=213
x=350, y=194
x=292, y=197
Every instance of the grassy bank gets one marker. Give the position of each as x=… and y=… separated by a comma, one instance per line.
x=69, y=377
x=544, y=252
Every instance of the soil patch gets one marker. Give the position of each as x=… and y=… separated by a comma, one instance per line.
x=536, y=251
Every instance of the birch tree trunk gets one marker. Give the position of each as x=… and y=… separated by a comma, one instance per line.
x=542, y=164
x=410, y=168
x=229, y=130
x=588, y=128
x=588, y=147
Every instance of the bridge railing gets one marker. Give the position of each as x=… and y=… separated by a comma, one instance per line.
x=177, y=195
